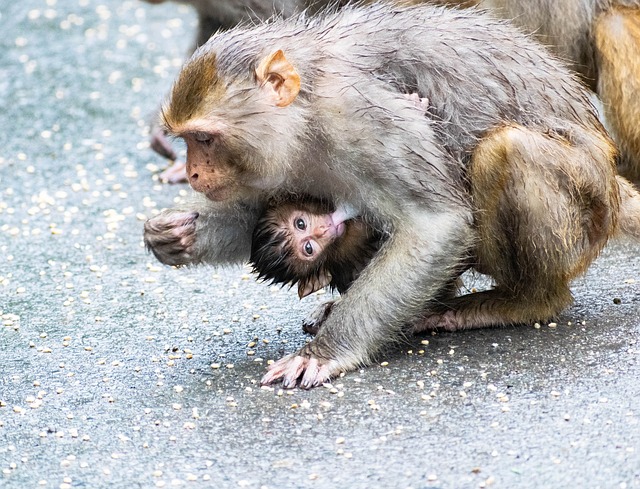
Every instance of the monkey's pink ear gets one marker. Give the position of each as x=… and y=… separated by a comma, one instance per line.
x=312, y=284
x=278, y=78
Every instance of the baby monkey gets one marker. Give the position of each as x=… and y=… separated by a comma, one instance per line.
x=309, y=242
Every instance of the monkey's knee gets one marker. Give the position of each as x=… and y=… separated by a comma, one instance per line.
x=506, y=168
x=497, y=156
x=546, y=203
x=490, y=155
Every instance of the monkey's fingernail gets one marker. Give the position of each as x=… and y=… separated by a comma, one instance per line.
x=266, y=379
x=289, y=383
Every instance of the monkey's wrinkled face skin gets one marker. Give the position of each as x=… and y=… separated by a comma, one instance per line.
x=207, y=171
x=313, y=233
x=212, y=171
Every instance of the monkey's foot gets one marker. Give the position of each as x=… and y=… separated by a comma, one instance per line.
x=176, y=173
x=292, y=367
x=170, y=236
x=311, y=324
x=447, y=321
x=491, y=308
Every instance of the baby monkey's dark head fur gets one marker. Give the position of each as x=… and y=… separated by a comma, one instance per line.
x=272, y=254
x=336, y=263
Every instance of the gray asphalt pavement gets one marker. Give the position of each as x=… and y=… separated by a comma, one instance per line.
x=118, y=372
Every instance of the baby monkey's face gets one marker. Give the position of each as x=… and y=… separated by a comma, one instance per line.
x=311, y=234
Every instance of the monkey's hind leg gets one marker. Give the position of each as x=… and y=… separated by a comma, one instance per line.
x=546, y=205
x=312, y=323
x=617, y=44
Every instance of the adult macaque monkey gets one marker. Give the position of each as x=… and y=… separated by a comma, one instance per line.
x=215, y=15
x=601, y=40
x=509, y=171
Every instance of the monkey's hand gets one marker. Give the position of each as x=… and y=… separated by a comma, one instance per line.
x=160, y=143
x=175, y=173
x=316, y=362
x=171, y=235
x=292, y=367
x=312, y=323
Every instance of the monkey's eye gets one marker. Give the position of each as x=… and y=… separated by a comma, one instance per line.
x=300, y=224
x=203, y=137
x=308, y=248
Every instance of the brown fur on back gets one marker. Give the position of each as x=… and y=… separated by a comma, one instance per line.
x=629, y=222
x=617, y=41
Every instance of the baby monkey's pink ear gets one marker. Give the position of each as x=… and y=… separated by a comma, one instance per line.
x=278, y=79
x=314, y=283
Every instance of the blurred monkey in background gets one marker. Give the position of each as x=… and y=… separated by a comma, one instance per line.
x=600, y=39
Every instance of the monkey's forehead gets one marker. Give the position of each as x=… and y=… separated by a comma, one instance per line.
x=198, y=81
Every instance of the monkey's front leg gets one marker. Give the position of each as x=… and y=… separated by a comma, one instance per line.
x=202, y=232
x=423, y=256
x=176, y=172
x=159, y=142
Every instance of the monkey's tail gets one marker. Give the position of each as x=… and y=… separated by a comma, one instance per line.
x=629, y=217
x=617, y=43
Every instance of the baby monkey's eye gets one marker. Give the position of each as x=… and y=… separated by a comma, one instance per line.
x=300, y=224
x=308, y=249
